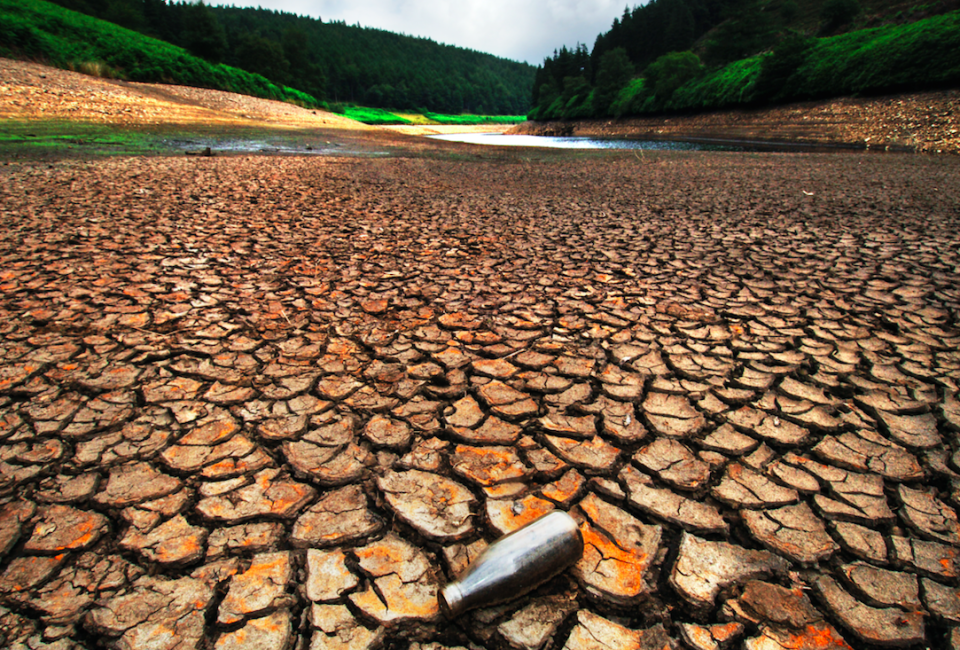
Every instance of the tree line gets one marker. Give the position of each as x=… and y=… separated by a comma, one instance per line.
x=331, y=60
x=653, y=50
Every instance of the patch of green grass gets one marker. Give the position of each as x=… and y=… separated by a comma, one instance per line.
x=43, y=31
x=470, y=120
x=373, y=116
x=381, y=117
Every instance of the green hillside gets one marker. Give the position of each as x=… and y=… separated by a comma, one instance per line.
x=43, y=31
x=694, y=55
x=332, y=61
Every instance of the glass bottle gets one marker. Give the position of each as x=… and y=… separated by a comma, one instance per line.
x=515, y=564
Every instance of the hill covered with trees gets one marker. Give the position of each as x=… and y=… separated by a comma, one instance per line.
x=331, y=61
x=687, y=55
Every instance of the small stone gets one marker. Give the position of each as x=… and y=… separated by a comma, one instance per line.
x=703, y=568
x=506, y=516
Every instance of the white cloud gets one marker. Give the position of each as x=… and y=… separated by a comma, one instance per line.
x=525, y=30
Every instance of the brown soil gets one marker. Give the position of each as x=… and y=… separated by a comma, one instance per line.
x=928, y=122
x=277, y=402
x=33, y=91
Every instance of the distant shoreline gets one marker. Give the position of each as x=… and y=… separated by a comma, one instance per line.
x=926, y=122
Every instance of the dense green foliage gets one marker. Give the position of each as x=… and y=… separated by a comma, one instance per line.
x=331, y=60
x=41, y=30
x=894, y=57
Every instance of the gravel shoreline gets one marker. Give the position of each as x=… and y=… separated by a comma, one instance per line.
x=922, y=122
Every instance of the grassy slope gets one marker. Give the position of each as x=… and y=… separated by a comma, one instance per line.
x=892, y=58
x=43, y=31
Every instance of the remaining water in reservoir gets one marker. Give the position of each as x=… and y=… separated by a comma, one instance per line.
x=576, y=142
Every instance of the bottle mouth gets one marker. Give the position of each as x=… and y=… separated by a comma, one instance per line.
x=451, y=601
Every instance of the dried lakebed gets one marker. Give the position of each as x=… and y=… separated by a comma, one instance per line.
x=277, y=402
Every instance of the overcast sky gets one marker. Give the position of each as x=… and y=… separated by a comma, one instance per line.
x=524, y=30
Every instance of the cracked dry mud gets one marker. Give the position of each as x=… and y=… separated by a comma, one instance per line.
x=277, y=403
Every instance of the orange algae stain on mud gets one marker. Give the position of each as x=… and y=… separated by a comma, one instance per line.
x=532, y=508
x=382, y=553
x=813, y=638
x=597, y=548
x=260, y=570
x=177, y=549
x=86, y=530
x=702, y=637
x=724, y=632
x=948, y=565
